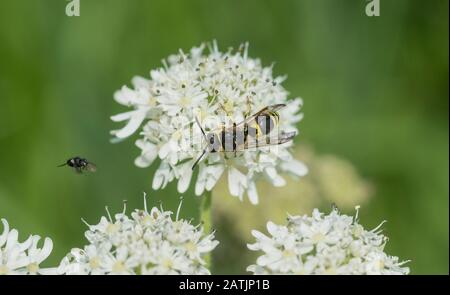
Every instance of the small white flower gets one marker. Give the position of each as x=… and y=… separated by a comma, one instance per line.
x=147, y=243
x=323, y=244
x=23, y=258
x=227, y=86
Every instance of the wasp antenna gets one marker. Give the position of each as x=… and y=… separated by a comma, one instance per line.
x=198, y=159
x=200, y=126
x=62, y=165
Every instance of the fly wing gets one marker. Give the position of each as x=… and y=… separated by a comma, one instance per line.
x=91, y=167
x=283, y=137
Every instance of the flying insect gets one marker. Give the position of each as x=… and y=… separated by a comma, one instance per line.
x=80, y=165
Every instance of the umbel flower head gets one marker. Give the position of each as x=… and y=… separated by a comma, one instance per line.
x=150, y=242
x=22, y=258
x=323, y=244
x=331, y=179
x=217, y=88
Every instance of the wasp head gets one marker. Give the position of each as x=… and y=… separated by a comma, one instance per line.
x=213, y=142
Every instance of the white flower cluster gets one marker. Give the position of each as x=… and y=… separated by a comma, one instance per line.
x=147, y=243
x=22, y=258
x=219, y=84
x=323, y=244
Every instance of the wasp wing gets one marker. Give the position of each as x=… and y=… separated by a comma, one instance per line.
x=281, y=138
x=265, y=110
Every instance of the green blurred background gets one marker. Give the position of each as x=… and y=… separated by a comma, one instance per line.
x=375, y=92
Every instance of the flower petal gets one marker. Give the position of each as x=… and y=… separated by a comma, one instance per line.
x=237, y=182
x=133, y=124
x=252, y=193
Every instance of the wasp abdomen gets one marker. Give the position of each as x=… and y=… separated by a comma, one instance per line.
x=228, y=141
x=266, y=123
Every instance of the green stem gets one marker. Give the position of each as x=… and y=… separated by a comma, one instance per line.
x=206, y=219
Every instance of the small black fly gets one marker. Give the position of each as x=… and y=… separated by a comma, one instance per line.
x=80, y=165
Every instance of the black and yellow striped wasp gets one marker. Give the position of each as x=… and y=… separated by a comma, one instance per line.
x=253, y=132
